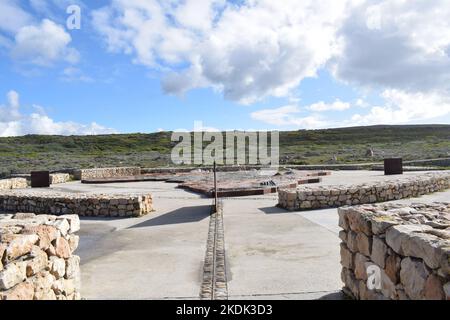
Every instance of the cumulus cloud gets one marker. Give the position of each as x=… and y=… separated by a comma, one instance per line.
x=12, y=16
x=288, y=116
x=396, y=44
x=14, y=123
x=337, y=105
x=43, y=44
x=403, y=107
x=247, y=51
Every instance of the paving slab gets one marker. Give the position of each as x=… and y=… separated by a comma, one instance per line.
x=273, y=253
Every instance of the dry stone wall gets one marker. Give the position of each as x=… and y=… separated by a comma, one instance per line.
x=79, y=204
x=396, y=252
x=36, y=257
x=56, y=178
x=84, y=174
x=315, y=197
x=13, y=183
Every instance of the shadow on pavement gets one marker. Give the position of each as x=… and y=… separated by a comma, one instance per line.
x=273, y=210
x=181, y=215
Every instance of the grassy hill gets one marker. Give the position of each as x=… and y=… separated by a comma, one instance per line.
x=349, y=145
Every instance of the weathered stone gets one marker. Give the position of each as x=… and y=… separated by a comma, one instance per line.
x=12, y=274
x=74, y=222
x=379, y=251
x=392, y=268
x=352, y=244
x=57, y=267
x=37, y=261
x=62, y=248
x=346, y=257
x=73, y=242
x=20, y=246
x=360, y=264
x=72, y=267
x=413, y=275
x=22, y=291
x=45, y=233
x=62, y=225
x=364, y=244
x=43, y=283
x=434, y=288
x=397, y=235
x=447, y=290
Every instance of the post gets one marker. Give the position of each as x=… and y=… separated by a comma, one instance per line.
x=215, y=186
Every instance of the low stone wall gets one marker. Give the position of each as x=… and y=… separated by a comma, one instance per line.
x=79, y=204
x=397, y=252
x=82, y=174
x=56, y=178
x=36, y=257
x=13, y=183
x=306, y=198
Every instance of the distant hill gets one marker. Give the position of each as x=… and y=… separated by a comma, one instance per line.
x=347, y=145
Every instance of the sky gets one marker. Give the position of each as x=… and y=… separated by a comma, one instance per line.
x=149, y=65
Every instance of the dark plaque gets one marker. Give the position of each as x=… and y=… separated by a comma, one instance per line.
x=40, y=179
x=393, y=166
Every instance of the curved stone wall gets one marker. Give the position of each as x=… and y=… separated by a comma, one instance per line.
x=96, y=173
x=79, y=204
x=306, y=198
x=13, y=183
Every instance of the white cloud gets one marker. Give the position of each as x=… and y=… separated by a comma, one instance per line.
x=287, y=116
x=402, y=107
x=337, y=105
x=43, y=44
x=12, y=16
x=14, y=123
x=396, y=44
x=248, y=51
x=72, y=74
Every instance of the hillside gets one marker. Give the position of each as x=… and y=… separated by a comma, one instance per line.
x=349, y=145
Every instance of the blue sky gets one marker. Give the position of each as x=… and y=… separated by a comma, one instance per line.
x=144, y=66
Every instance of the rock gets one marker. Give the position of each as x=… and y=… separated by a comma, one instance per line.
x=392, y=267
x=346, y=257
x=62, y=248
x=74, y=222
x=364, y=244
x=2, y=251
x=359, y=222
x=447, y=290
x=434, y=288
x=12, y=274
x=379, y=252
x=57, y=267
x=413, y=275
x=360, y=266
x=43, y=282
x=72, y=267
x=45, y=233
x=73, y=242
x=37, y=261
x=20, y=246
x=396, y=235
x=22, y=291
x=383, y=222
x=62, y=225
x=351, y=241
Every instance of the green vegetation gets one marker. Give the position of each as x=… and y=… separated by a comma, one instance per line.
x=348, y=145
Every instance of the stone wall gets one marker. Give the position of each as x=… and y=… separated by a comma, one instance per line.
x=80, y=204
x=397, y=252
x=56, y=178
x=83, y=174
x=315, y=197
x=36, y=257
x=13, y=183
